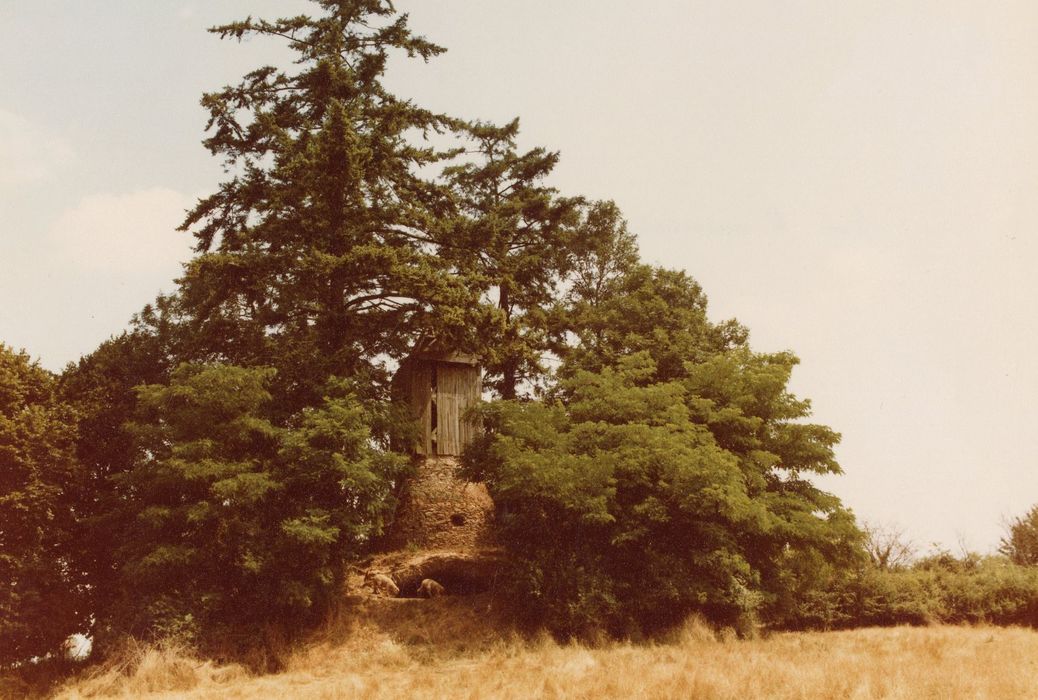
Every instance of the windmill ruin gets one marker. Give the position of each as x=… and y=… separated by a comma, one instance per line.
x=443, y=524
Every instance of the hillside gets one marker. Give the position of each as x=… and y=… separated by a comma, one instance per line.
x=458, y=648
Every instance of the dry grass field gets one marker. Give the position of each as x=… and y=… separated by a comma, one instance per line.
x=444, y=649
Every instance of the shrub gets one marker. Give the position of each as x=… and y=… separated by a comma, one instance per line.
x=938, y=589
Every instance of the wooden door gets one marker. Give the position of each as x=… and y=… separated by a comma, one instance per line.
x=421, y=404
x=457, y=388
x=448, y=409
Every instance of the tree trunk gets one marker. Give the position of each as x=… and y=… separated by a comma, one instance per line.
x=509, y=365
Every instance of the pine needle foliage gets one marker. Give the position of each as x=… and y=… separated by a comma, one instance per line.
x=317, y=255
x=235, y=525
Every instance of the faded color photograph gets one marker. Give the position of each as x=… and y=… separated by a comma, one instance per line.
x=492, y=349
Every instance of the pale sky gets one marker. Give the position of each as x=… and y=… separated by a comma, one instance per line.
x=854, y=181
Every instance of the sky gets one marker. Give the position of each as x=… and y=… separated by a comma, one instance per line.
x=855, y=182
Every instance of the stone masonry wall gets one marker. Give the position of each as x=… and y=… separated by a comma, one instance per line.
x=438, y=510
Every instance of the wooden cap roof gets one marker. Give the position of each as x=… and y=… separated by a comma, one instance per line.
x=435, y=350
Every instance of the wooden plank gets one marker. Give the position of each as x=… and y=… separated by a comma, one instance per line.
x=447, y=410
x=457, y=388
x=421, y=404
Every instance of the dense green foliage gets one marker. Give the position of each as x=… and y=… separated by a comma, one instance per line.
x=632, y=503
x=234, y=524
x=639, y=308
x=101, y=388
x=39, y=601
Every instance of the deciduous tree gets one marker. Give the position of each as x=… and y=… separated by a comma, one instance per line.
x=40, y=601
x=1020, y=542
x=634, y=501
x=100, y=386
x=623, y=513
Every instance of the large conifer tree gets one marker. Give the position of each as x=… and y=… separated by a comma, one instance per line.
x=317, y=255
x=513, y=240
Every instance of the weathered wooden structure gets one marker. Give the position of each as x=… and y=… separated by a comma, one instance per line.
x=440, y=386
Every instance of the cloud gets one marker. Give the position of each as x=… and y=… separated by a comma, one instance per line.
x=130, y=235
x=28, y=153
